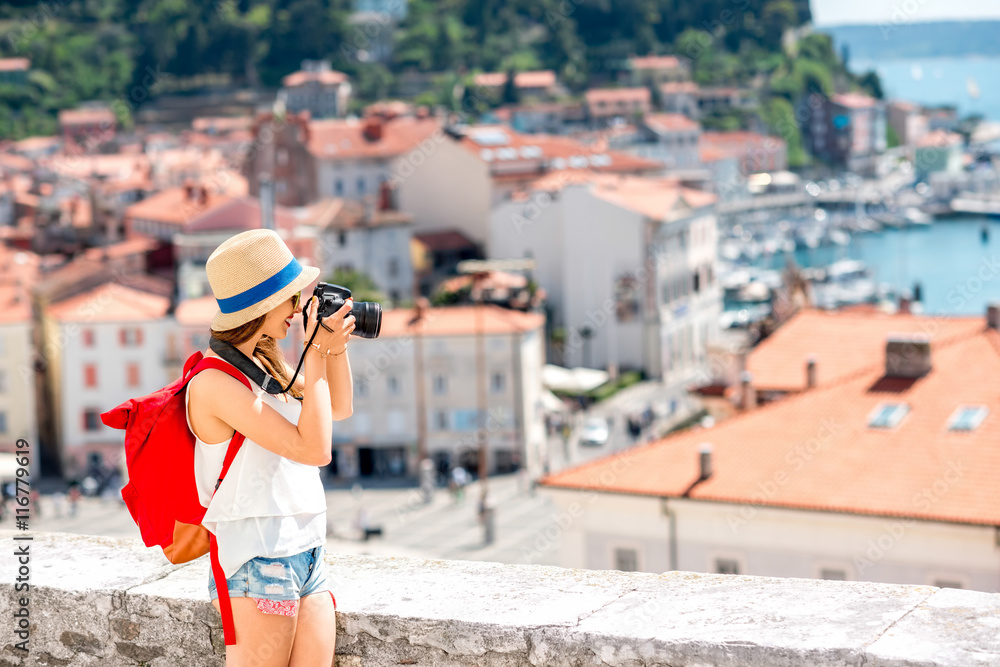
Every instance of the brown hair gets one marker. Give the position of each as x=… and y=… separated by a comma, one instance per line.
x=267, y=351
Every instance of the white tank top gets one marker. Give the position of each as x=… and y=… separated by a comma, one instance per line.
x=267, y=505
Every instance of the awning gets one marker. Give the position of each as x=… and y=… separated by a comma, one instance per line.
x=572, y=380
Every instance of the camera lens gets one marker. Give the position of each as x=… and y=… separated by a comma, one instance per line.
x=367, y=319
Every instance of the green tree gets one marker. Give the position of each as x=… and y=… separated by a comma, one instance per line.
x=362, y=287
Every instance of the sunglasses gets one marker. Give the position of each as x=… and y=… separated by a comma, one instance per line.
x=295, y=299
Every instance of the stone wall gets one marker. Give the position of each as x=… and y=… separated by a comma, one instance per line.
x=101, y=601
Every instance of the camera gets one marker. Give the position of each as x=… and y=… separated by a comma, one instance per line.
x=367, y=314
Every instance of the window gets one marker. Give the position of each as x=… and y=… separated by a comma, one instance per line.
x=967, y=417
x=361, y=185
x=831, y=574
x=130, y=337
x=281, y=187
x=727, y=566
x=392, y=384
x=282, y=156
x=132, y=374
x=626, y=560
x=441, y=420
x=3, y=382
x=338, y=187
x=361, y=387
x=341, y=238
x=696, y=281
x=395, y=421
x=440, y=385
x=91, y=420
x=88, y=338
x=887, y=415
x=89, y=376
x=393, y=267
x=3, y=422
x=497, y=382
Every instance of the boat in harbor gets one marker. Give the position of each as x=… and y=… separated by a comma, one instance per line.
x=844, y=282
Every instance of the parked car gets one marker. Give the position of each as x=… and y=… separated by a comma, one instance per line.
x=595, y=432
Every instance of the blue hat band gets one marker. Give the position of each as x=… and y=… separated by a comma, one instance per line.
x=262, y=290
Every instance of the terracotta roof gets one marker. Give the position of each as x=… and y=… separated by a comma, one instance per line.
x=222, y=123
x=672, y=87
x=853, y=100
x=345, y=139
x=739, y=138
x=653, y=198
x=670, y=122
x=545, y=78
x=654, y=62
x=16, y=162
x=325, y=77
x=237, y=215
x=842, y=342
x=137, y=246
x=196, y=312
x=36, y=143
x=595, y=95
x=939, y=139
x=513, y=155
x=816, y=451
x=457, y=321
x=87, y=117
x=349, y=214
x=173, y=206
x=447, y=240
x=110, y=302
x=112, y=167
x=18, y=274
x=14, y=64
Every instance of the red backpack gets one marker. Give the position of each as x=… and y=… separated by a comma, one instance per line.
x=161, y=494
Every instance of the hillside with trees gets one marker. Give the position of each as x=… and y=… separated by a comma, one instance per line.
x=84, y=50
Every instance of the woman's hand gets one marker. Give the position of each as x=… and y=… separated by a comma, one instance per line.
x=334, y=331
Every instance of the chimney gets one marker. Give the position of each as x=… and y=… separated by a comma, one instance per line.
x=373, y=128
x=705, y=461
x=266, y=203
x=993, y=316
x=907, y=355
x=810, y=371
x=748, y=395
x=904, y=303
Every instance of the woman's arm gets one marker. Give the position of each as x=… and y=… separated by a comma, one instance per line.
x=338, y=370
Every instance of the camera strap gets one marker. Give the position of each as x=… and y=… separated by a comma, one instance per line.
x=257, y=374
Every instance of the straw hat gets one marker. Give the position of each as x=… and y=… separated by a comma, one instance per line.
x=252, y=273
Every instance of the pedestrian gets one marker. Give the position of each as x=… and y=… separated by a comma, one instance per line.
x=271, y=541
x=74, y=498
x=35, y=496
x=59, y=504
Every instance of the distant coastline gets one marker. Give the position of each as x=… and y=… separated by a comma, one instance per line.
x=897, y=39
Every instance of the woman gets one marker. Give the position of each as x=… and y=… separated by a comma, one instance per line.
x=269, y=512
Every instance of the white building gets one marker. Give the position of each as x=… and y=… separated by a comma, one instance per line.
x=316, y=88
x=103, y=346
x=422, y=375
x=886, y=473
x=18, y=416
x=669, y=138
x=632, y=260
x=463, y=174
x=361, y=238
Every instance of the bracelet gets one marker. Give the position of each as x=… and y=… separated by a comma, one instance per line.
x=326, y=354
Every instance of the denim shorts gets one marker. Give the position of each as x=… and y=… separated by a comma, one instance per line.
x=278, y=583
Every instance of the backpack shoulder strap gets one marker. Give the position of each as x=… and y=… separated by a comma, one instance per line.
x=225, y=605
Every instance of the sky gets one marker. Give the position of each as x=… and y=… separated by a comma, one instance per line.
x=840, y=12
